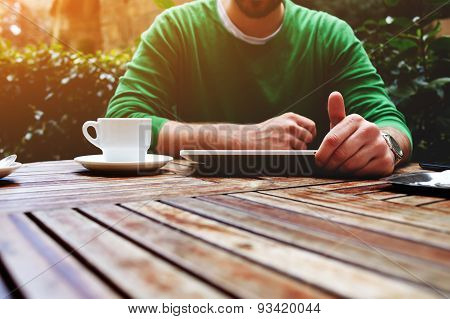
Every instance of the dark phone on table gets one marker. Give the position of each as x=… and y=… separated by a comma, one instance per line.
x=436, y=166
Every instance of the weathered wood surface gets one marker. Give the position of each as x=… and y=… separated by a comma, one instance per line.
x=40, y=267
x=69, y=233
x=66, y=184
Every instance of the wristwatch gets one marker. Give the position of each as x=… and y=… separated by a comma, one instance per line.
x=394, y=146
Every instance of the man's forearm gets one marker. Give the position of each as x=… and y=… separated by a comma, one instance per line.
x=285, y=132
x=176, y=136
x=401, y=139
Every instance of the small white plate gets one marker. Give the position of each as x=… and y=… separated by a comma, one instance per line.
x=5, y=171
x=98, y=163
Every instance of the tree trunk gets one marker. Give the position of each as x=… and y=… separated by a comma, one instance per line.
x=77, y=24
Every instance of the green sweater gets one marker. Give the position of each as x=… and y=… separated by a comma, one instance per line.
x=189, y=68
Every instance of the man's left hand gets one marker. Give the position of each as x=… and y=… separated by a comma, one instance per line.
x=353, y=145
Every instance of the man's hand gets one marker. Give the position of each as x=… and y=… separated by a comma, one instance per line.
x=353, y=145
x=286, y=132
x=289, y=131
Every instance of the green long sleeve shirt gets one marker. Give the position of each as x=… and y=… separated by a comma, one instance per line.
x=189, y=67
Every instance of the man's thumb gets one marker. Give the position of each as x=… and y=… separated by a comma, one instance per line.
x=336, y=108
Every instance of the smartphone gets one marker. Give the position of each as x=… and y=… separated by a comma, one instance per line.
x=436, y=166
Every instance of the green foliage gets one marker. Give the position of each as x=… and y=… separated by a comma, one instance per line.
x=356, y=12
x=415, y=64
x=353, y=11
x=47, y=93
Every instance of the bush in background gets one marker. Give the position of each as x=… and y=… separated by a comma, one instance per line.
x=355, y=12
x=47, y=93
x=415, y=64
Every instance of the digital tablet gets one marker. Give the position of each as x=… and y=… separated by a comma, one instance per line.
x=252, y=162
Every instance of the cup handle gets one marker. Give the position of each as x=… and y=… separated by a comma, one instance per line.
x=86, y=134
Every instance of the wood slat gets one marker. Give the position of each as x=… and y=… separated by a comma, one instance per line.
x=414, y=200
x=108, y=189
x=410, y=168
x=54, y=187
x=312, y=268
x=214, y=265
x=381, y=195
x=180, y=167
x=407, y=232
x=353, y=187
x=137, y=272
x=78, y=176
x=329, y=229
x=350, y=251
x=444, y=206
x=415, y=216
x=169, y=190
x=41, y=268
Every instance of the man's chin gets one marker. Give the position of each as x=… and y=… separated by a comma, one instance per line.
x=257, y=9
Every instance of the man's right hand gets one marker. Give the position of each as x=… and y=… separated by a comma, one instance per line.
x=289, y=131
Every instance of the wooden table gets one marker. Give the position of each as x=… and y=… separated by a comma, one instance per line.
x=66, y=232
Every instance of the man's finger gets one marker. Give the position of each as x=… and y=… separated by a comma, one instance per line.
x=302, y=134
x=336, y=109
x=334, y=139
x=378, y=167
x=349, y=148
x=304, y=122
x=298, y=145
x=359, y=160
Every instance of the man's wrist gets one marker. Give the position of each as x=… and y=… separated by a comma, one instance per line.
x=243, y=137
x=401, y=139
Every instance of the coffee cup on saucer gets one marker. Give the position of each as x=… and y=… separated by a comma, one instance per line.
x=121, y=139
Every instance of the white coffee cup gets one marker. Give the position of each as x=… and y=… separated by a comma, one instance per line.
x=121, y=139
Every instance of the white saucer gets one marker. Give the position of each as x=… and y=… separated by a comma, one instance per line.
x=5, y=171
x=98, y=163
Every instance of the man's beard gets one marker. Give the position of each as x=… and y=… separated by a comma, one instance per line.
x=257, y=8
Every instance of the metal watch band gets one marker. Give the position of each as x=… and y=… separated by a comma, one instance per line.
x=394, y=147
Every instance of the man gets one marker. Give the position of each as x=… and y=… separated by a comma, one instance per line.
x=246, y=61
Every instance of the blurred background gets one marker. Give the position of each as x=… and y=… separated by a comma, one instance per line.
x=60, y=61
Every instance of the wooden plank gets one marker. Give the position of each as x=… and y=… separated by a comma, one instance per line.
x=381, y=195
x=302, y=180
x=409, y=168
x=69, y=166
x=87, y=198
x=54, y=187
x=108, y=189
x=414, y=216
x=41, y=268
x=331, y=275
x=137, y=272
x=381, y=226
x=353, y=187
x=444, y=206
x=337, y=232
x=82, y=175
x=414, y=200
x=353, y=252
x=214, y=265
x=180, y=168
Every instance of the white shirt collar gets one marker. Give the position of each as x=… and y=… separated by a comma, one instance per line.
x=234, y=30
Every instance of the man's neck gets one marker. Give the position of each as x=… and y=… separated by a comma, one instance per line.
x=255, y=27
